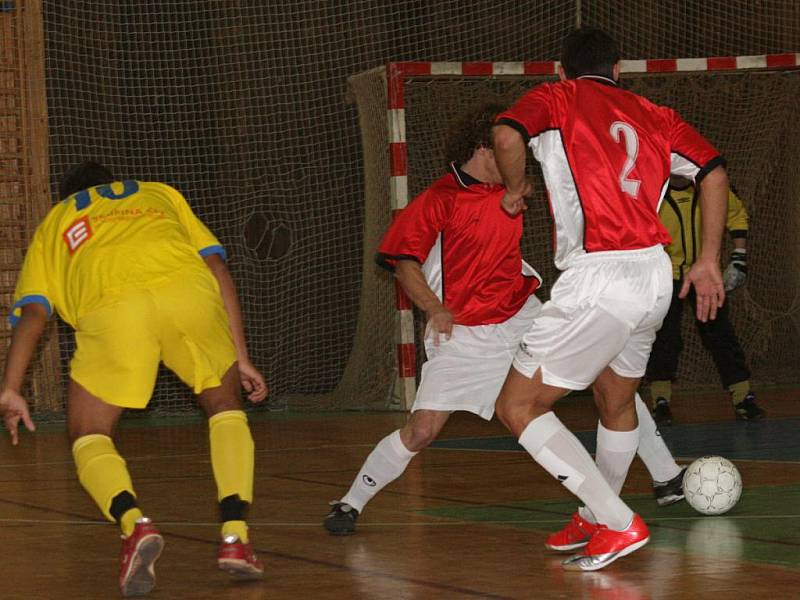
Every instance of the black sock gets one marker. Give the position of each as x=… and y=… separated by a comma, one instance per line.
x=233, y=508
x=122, y=503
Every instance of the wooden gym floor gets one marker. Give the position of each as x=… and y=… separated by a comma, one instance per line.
x=467, y=520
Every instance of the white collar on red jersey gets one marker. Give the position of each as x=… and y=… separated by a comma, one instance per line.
x=599, y=79
x=464, y=179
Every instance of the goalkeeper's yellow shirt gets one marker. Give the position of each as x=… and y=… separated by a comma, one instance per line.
x=108, y=239
x=680, y=214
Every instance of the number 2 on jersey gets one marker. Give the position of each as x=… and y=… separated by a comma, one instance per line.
x=620, y=129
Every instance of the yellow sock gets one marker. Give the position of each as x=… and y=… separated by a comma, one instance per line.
x=661, y=389
x=232, y=460
x=237, y=528
x=128, y=521
x=739, y=390
x=103, y=474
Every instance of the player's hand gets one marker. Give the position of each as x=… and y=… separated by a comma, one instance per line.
x=253, y=381
x=440, y=324
x=514, y=204
x=706, y=278
x=736, y=272
x=14, y=409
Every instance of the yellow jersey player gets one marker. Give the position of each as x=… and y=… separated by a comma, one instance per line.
x=141, y=280
x=680, y=214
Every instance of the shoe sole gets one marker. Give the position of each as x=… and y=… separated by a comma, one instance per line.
x=345, y=529
x=574, y=563
x=240, y=570
x=567, y=548
x=669, y=500
x=340, y=532
x=141, y=578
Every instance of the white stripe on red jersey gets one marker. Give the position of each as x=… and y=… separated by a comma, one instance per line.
x=606, y=156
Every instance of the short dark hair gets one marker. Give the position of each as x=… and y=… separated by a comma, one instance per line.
x=82, y=176
x=470, y=131
x=589, y=51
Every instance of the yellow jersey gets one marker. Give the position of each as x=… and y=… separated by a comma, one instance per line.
x=680, y=214
x=108, y=239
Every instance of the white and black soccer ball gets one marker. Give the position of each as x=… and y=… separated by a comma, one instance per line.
x=712, y=485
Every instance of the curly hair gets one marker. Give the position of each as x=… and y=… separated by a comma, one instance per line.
x=82, y=176
x=471, y=130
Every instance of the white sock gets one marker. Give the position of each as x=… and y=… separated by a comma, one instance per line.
x=384, y=464
x=652, y=450
x=615, y=452
x=564, y=457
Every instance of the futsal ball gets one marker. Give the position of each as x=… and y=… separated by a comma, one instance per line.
x=712, y=485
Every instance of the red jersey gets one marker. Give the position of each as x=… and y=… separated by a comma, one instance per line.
x=606, y=156
x=468, y=247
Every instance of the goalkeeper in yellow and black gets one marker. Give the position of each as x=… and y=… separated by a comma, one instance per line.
x=680, y=214
x=141, y=280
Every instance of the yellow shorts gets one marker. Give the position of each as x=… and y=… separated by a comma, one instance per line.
x=182, y=323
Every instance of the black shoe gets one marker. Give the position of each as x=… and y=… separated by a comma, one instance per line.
x=670, y=491
x=662, y=415
x=748, y=410
x=341, y=520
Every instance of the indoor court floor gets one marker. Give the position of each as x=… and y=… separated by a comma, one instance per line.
x=467, y=520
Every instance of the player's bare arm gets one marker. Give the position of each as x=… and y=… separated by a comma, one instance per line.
x=252, y=380
x=440, y=320
x=705, y=274
x=509, y=152
x=13, y=407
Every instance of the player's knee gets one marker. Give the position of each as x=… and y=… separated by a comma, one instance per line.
x=420, y=435
x=218, y=400
x=511, y=414
x=611, y=411
x=75, y=431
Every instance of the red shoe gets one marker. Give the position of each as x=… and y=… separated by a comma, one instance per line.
x=238, y=560
x=608, y=545
x=575, y=535
x=140, y=551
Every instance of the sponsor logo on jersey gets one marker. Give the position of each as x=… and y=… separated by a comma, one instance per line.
x=368, y=480
x=77, y=234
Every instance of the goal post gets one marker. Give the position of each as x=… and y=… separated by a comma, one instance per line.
x=746, y=105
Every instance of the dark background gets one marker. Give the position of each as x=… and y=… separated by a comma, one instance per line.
x=242, y=106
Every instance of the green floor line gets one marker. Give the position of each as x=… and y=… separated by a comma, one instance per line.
x=757, y=538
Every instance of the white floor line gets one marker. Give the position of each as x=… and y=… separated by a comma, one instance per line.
x=444, y=523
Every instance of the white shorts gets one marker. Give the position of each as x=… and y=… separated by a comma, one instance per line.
x=467, y=371
x=603, y=311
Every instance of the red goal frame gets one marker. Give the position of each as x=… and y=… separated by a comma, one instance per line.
x=396, y=75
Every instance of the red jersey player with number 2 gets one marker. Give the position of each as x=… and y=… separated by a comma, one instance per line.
x=606, y=155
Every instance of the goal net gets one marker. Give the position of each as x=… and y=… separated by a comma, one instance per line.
x=241, y=106
x=747, y=106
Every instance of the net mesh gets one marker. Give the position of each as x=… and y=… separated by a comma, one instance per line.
x=751, y=116
x=242, y=106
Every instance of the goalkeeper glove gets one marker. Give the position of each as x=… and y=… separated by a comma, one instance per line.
x=736, y=272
